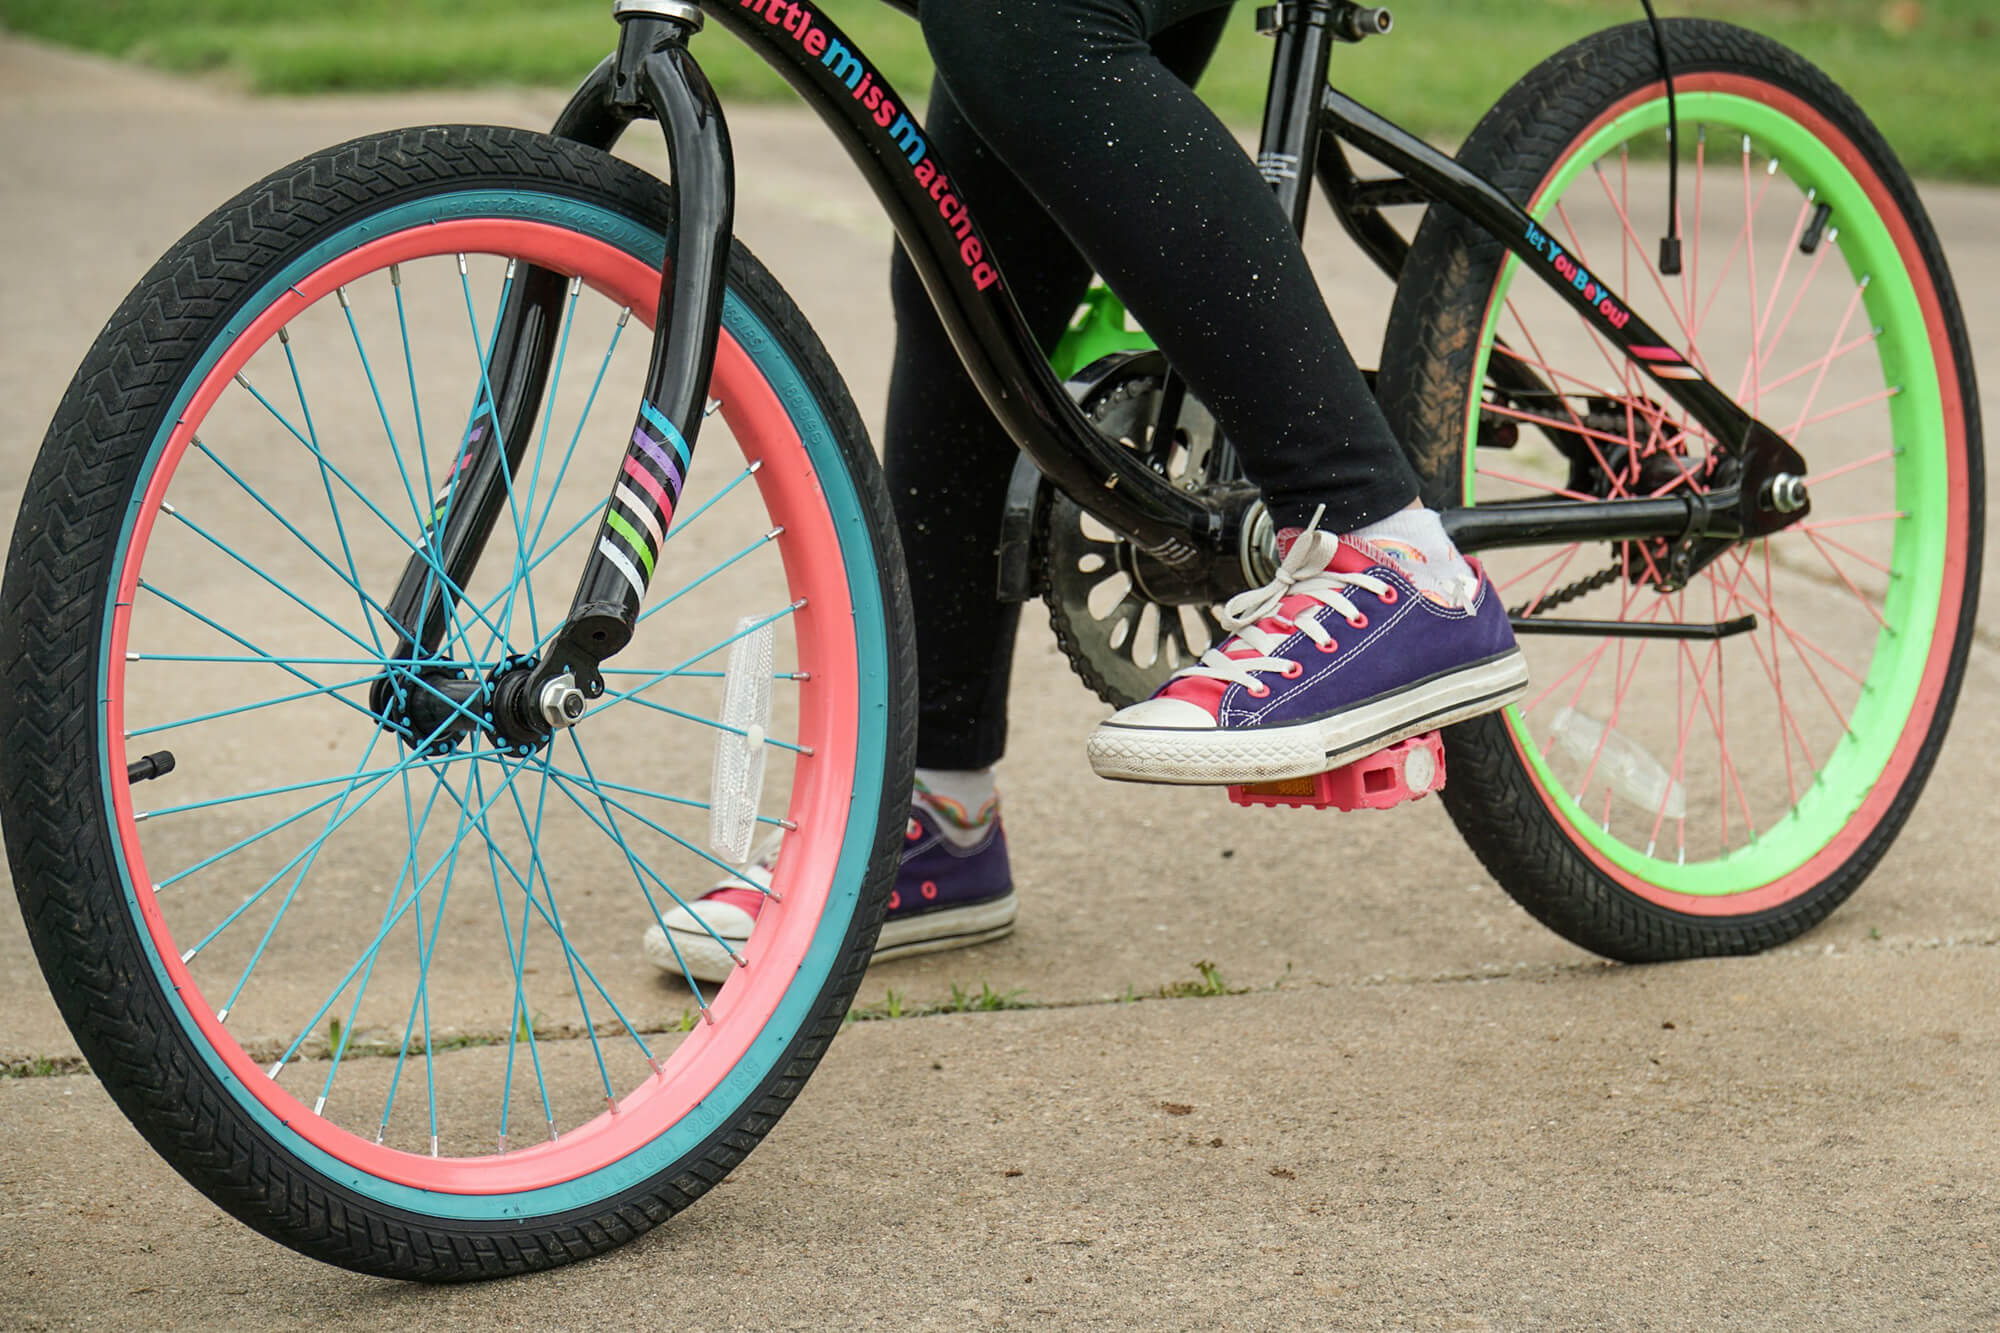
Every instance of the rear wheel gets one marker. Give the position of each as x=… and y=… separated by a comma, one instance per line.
x=366, y=973
x=1656, y=799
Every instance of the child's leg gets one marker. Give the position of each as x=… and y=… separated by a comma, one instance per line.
x=948, y=461
x=1355, y=644
x=1162, y=200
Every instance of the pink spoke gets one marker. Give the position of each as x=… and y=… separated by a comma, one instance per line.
x=1799, y=641
x=1543, y=563
x=1839, y=545
x=1859, y=342
x=1592, y=656
x=1778, y=679
x=1859, y=463
x=1716, y=716
x=1826, y=694
x=1622, y=686
x=1847, y=316
x=1540, y=359
x=1631, y=238
x=1822, y=524
x=1812, y=273
x=1596, y=655
x=1784, y=267
x=1683, y=727
x=1842, y=574
x=1788, y=725
x=1620, y=365
x=1587, y=432
x=1831, y=413
x=1736, y=603
x=1588, y=386
x=1752, y=368
x=1691, y=278
x=1535, y=604
x=1532, y=485
x=1722, y=278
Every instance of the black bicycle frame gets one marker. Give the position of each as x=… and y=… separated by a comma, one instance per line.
x=654, y=75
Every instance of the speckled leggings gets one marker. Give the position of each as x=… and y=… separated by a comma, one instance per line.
x=1070, y=128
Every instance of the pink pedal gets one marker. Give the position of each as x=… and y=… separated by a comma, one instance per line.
x=1401, y=772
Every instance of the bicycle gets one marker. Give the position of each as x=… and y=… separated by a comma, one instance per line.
x=245, y=539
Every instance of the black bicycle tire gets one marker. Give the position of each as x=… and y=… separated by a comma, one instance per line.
x=57, y=831
x=1427, y=357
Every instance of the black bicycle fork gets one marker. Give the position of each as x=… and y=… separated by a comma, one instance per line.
x=653, y=75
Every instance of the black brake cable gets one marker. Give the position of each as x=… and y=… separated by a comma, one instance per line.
x=1670, y=244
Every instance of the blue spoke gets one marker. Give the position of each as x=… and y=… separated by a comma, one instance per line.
x=312, y=1023
x=410, y=368
x=311, y=855
x=654, y=678
x=267, y=659
x=640, y=873
x=136, y=732
x=242, y=642
x=527, y=505
x=577, y=435
x=341, y=529
x=309, y=784
x=422, y=553
x=416, y=759
x=610, y=695
x=322, y=616
x=609, y=827
x=484, y=359
x=422, y=997
x=520, y=1017
x=240, y=844
x=552, y=915
x=662, y=830
x=381, y=408
x=303, y=540
x=687, y=801
x=596, y=511
x=408, y=869
x=694, y=583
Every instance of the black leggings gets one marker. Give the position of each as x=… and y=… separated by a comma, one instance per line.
x=1071, y=129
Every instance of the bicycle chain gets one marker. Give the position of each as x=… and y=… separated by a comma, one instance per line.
x=1570, y=592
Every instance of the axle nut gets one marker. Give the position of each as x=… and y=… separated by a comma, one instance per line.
x=562, y=702
x=1786, y=493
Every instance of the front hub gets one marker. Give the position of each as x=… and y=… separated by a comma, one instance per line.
x=437, y=708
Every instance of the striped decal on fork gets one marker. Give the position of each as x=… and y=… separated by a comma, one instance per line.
x=642, y=502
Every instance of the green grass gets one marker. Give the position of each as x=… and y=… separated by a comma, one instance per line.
x=1922, y=68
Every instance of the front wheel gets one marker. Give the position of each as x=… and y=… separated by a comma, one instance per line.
x=365, y=972
x=1669, y=798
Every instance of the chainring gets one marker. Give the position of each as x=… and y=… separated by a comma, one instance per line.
x=1121, y=642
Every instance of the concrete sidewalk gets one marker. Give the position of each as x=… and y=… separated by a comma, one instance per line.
x=1429, y=1113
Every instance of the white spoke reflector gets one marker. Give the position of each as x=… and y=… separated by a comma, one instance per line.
x=737, y=783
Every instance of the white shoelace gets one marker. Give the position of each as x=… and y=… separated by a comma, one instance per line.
x=1303, y=573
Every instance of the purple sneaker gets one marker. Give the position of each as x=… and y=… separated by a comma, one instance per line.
x=1339, y=656
x=946, y=897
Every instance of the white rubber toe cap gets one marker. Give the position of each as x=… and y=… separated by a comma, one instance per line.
x=1166, y=714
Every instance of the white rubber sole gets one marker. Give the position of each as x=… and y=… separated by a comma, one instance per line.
x=931, y=932
x=1218, y=757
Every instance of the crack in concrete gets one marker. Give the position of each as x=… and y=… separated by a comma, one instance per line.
x=60, y=1066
